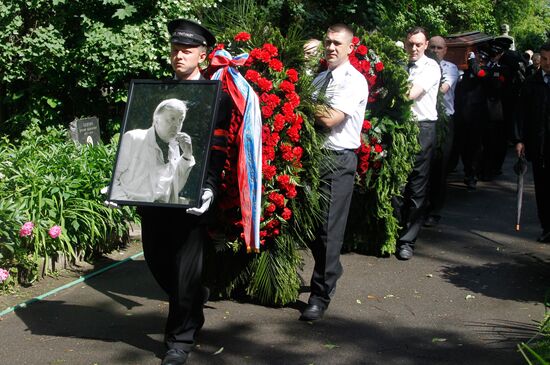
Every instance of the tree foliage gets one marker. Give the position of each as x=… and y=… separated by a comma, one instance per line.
x=529, y=19
x=64, y=59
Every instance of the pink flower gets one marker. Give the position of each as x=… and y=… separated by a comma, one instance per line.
x=54, y=232
x=26, y=229
x=4, y=274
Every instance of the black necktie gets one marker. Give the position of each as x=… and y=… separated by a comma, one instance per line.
x=164, y=147
x=326, y=81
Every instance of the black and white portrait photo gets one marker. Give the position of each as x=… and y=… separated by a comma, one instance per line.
x=164, y=144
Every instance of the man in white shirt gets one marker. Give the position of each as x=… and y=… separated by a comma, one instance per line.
x=154, y=163
x=440, y=159
x=346, y=92
x=424, y=77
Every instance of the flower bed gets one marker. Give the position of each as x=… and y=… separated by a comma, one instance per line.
x=50, y=203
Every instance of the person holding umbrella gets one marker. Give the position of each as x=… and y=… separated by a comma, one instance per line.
x=533, y=135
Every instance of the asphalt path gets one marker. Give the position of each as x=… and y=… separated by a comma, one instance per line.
x=472, y=292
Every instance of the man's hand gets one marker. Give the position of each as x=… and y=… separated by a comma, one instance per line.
x=184, y=141
x=520, y=149
x=415, y=92
x=328, y=117
x=105, y=190
x=206, y=199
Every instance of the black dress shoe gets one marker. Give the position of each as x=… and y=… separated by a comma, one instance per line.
x=205, y=294
x=432, y=221
x=312, y=312
x=544, y=237
x=174, y=357
x=470, y=183
x=404, y=252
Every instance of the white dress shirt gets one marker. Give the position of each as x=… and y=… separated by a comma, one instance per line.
x=426, y=74
x=347, y=92
x=141, y=173
x=449, y=76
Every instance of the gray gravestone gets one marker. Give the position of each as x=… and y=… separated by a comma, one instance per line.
x=85, y=131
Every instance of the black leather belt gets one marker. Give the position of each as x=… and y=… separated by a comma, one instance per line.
x=340, y=152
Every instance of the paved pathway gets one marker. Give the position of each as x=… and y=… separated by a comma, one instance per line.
x=473, y=291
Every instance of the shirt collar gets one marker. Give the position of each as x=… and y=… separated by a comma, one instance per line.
x=340, y=70
x=422, y=60
x=196, y=77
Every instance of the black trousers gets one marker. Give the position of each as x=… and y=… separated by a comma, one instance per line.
x=173, y=244
x=337, y=179
x=494, y=148
x=438, y=171
x=541, y=176
x=410, y=207
x=469, y=125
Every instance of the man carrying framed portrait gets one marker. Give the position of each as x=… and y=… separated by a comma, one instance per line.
x=171, y=168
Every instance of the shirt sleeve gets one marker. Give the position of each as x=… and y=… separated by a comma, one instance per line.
x=428, y=77
x=348, y=95
x=450, y=75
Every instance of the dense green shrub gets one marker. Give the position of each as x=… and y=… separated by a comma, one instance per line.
x=49, y=180
x=63, y=59
x=537, y=350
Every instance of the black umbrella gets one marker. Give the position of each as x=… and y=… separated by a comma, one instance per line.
x=520, y=168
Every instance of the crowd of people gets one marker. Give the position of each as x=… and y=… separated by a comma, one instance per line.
x=497, y=100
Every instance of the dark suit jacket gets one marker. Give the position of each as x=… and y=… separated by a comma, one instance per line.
x=218, y=153
x=533, y=122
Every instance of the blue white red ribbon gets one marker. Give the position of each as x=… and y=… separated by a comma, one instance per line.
x=250, y=142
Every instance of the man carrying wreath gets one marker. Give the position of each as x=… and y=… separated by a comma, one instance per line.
x=346, y=92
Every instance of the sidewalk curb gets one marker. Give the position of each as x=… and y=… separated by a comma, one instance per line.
x=68, y=285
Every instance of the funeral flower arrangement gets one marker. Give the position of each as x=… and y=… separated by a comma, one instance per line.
x=289, y=145
x=282, y=152
x=291, y=152
x=371, y=152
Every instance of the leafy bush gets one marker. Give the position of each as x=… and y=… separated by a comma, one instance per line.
x=64, y=59
x=537, y=350
x=49, y=180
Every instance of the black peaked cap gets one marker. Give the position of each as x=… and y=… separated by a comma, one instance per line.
x=500, y=44
x=189, y=33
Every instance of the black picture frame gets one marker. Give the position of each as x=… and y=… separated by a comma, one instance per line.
x=151, y=169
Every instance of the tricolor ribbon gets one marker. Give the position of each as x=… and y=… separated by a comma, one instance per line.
x=249, y=170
